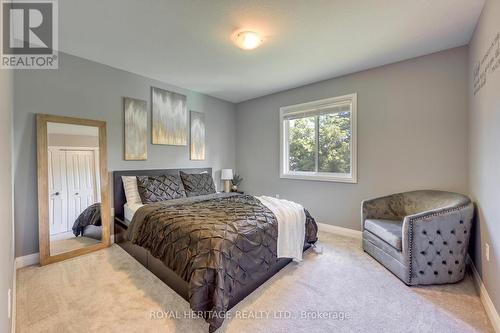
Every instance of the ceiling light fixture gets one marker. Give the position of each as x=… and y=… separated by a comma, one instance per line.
x=248, y=40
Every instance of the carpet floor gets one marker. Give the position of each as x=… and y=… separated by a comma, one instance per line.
x=70, y=244
x=340, y=290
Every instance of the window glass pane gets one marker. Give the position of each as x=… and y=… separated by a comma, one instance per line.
x=334, y=143
x=302, y=144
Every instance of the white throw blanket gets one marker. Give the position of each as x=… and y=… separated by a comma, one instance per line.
x=291, y=226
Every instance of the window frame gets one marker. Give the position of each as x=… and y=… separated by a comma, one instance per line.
x=311, y=107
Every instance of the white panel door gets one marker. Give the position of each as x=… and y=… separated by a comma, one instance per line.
x=58, y=200
x=81, y=182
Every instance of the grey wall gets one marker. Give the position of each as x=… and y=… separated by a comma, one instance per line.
x=412, y=134
x=6, y=225
x=484, y=120
x=86, y=89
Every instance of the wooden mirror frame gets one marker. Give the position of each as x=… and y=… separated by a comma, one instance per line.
x=43, y=188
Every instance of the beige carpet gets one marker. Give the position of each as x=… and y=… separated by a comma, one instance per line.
x=70, y=244
x=108, y=291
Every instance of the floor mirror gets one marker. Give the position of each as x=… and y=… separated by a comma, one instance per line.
x=73, y=196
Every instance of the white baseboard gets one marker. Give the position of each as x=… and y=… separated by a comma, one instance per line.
x=339, y=230
x=14, y=297
x=489, y=307
x=30, y=259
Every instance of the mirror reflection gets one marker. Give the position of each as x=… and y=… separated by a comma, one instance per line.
x=74, y=189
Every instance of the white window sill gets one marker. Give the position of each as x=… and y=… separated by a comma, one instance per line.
x=322, y=177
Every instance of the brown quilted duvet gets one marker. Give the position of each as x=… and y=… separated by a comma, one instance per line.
x=217, y=243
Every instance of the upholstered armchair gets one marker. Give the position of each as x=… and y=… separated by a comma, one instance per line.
x=421, y=236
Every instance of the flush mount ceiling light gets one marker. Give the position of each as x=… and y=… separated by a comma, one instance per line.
x=247, y=40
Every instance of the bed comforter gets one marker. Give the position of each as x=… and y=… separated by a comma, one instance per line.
x=217, y=243
x=90, y=216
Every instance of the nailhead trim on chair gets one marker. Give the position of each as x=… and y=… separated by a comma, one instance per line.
x=410, y=227
x=410, y=250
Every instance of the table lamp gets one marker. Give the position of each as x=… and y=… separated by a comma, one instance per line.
x=227, y=176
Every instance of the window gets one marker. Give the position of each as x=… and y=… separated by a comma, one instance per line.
x=318, y=140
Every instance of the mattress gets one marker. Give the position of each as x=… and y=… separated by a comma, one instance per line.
x=129, y=211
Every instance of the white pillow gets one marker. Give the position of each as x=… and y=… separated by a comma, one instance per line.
x=131, y=190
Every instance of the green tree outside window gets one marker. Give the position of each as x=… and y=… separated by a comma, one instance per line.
x=321, y=143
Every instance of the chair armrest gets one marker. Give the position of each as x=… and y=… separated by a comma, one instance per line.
x=435, y=242
x=435, y=220
x=389, y=207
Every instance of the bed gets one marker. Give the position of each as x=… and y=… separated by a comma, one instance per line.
x=213, y=249
x=88, y=223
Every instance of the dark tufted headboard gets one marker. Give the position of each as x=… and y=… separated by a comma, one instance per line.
x=119, y=193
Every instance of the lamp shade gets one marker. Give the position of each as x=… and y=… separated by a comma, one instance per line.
x=226, y=174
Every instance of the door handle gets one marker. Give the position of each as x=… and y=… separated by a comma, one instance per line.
x=57, y=193
x=76, y=193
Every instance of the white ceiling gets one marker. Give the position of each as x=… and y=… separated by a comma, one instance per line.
x=188, y=44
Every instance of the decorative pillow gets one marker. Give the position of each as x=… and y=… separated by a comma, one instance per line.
x=197, y=183
x=160, y=188
x=131, y=190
